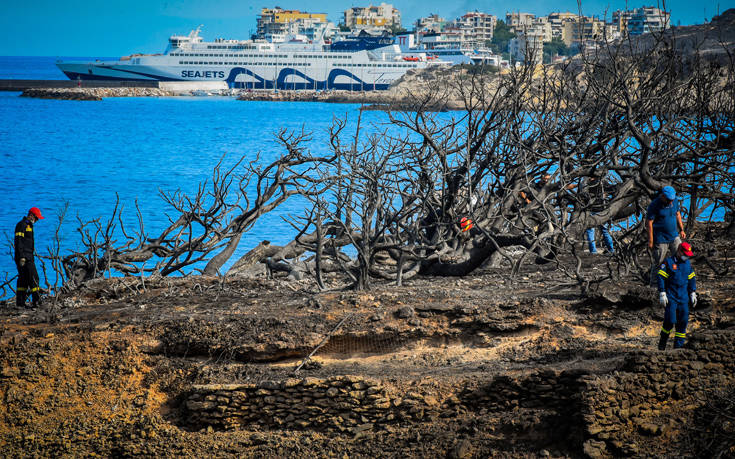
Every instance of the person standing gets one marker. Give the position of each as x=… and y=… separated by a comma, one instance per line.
x=24, y=259
x=663, y=218
x=677, y=286
x=596, y=192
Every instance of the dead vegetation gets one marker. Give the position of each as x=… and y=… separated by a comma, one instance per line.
x=506, y=339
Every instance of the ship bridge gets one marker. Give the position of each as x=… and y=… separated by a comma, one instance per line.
x=183, y=41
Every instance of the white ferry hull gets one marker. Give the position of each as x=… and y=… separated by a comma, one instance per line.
x=247, y=77
x=238, y=77
x=362, y=64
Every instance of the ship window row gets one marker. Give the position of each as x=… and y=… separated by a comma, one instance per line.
x=316, y=56
x=229, y=47
x=303, y=64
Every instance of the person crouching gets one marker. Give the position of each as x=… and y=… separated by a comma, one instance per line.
x=677, y=285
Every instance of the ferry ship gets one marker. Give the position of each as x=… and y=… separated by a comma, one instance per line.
x=360, y=63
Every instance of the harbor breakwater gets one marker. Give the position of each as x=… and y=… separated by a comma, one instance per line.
x=385, y=100
x=93, y=93
x=372, y=100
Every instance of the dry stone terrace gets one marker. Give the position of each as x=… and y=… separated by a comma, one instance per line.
x=641, y=400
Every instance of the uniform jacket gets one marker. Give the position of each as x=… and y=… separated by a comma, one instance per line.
x=24, y=240
x=677, y=279
x=664, y=220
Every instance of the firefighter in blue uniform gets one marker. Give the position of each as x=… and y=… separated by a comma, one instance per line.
x=677, y=285
x=24, y=253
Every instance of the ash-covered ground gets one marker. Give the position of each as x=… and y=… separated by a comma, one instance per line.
x=479, y=366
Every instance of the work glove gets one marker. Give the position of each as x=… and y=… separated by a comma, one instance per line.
x=693, y=298
x=22, y=262
x=663, y=299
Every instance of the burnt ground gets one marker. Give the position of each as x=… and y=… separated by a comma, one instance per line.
x=106, y=371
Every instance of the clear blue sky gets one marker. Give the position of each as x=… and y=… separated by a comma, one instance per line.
x=121, y=27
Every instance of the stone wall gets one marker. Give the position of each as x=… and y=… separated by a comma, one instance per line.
x=340, y=403
x=646, y=398
x=638, y=402
x=654, y=393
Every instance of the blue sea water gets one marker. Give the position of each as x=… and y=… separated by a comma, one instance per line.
x=86, y=153
x=36, y=67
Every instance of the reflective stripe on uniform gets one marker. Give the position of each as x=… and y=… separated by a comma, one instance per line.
x=663, y=330
x=680, y=335
x=691, y=275
x=663, y=273
x=20, y=234
x=22, y=289
x=34, y=289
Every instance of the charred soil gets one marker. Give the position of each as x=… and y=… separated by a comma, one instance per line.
x=477, y=366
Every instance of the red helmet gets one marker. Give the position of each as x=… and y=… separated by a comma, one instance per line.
x=35, y=211
x=686, y=249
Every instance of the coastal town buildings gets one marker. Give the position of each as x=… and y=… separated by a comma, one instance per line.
x=527, y=48
x=584, y=29
x=430, y=24
x=519, y=20
x=472, y=30
x=383, y=16
x=276, y=23
x=648, y=19
x=476, y=27
x=641, y=20
x=557, y=21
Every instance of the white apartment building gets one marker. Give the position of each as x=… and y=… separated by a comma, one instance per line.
x=478, y=27
x=528, y=49
x=557, y=21
x=470, y=31
x=584, y=29
x=540, y=27
x=648, y=19
x=383, y=16
x=518, y=20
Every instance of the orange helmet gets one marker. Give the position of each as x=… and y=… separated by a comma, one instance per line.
x=466, y=224
x=35, y=211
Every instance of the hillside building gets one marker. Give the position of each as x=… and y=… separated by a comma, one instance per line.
x=648, y=19
x=527, y=48
x=383, y=16
x=280, y=22
x=519, y=20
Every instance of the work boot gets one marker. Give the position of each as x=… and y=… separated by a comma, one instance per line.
x=662, y=341
x=20, y=299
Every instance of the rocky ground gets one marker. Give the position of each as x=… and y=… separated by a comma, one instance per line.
x=481, y=366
